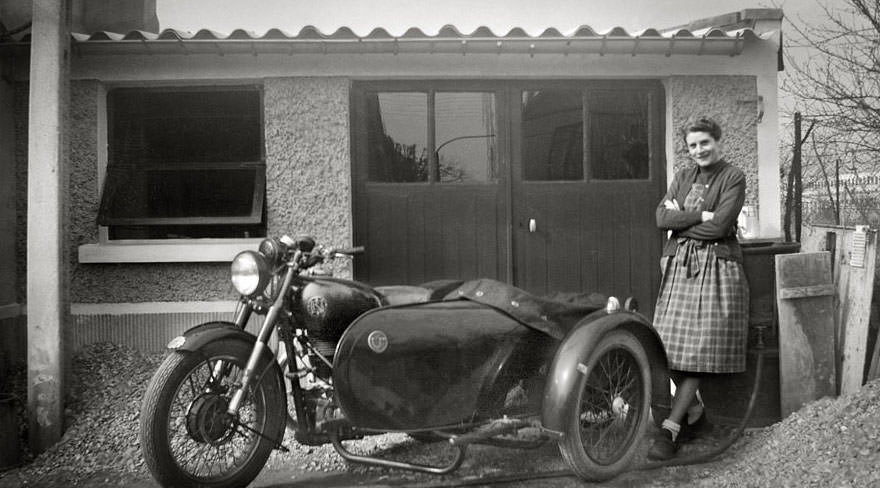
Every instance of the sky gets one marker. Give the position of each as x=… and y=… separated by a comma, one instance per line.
x=258, y=16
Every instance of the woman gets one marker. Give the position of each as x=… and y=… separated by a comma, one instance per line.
x=702, y=307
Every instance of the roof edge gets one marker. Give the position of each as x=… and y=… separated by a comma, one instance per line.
x=733, y=20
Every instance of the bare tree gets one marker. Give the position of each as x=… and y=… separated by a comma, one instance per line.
x=833, y=78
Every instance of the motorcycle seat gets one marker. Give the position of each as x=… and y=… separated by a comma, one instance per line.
x=404, y=294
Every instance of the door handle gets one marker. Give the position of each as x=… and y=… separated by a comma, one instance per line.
x=533, y=226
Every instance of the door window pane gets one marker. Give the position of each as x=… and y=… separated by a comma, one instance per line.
x=465, y=137
x=618, y=141
x=397, y=125
x=552, y=139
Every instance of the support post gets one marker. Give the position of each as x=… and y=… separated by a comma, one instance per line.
x=47, y=304
x=796, y=170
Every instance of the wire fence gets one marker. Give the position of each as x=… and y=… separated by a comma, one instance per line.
x=848, y=213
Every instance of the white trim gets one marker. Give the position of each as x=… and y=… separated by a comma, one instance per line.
x=11, y=311
x=176, y=69
x=670, y=135
x=152, y=308
x=168, y=251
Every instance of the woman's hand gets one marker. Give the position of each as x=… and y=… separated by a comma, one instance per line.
x=707, y=216
x=671, y=204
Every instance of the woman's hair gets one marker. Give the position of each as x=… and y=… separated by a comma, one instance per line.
x=703, y=124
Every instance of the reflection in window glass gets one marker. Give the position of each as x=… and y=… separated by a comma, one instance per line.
x=397, y=138
x=465, y=137
x=618, y=135
x=552, y=135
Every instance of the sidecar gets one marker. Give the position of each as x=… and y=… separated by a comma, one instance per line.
x=483, y=362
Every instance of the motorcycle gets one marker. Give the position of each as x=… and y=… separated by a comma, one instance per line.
x=464, y=362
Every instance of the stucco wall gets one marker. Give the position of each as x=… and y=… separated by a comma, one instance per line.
x=732, y=102
x=308, y=165
x=308, y=191
x=114, y=283
x=308, y=175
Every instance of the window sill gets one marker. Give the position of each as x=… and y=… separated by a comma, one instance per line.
x=171, y=251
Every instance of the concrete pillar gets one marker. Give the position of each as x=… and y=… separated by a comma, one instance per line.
x=47, y=305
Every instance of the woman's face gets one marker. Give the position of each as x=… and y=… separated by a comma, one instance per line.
x=703, y=148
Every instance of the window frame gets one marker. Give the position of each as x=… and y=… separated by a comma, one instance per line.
x=430, y=88
x=650, y=88
x=256, y=215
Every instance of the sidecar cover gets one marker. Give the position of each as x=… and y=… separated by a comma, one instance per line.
x=451, y=361
x=553, y=315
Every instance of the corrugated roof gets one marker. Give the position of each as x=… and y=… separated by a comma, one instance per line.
x=448, y=39
x=721, y=35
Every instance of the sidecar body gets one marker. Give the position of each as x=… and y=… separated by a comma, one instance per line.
x=433, y=365
x=481, y=351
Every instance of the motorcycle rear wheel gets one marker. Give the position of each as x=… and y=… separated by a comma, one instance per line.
x=186, y=438
x=611, y=410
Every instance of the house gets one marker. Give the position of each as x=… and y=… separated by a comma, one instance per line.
x=135, y=164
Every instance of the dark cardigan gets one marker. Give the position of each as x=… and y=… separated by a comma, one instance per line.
x=725, y=195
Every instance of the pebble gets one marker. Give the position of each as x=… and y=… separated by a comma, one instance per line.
x=828, y=442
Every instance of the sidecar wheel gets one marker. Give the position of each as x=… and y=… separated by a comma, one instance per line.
x=611, y=409
x=188, y=440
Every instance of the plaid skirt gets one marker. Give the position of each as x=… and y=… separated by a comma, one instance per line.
x=702, y=311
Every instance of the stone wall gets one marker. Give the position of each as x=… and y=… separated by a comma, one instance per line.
x=732, y=102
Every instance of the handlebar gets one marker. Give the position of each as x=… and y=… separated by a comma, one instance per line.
x=349, y=251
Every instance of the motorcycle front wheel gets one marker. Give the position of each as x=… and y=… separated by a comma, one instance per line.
x=188, y=439
x=612, y=408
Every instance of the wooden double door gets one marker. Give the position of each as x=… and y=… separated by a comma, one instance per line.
x=548, y=185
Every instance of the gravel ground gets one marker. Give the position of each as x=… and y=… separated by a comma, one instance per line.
x=829, y=442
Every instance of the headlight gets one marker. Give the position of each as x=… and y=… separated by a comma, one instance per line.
x=250, y=273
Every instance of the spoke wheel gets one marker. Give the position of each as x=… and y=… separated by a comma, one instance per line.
x=611, y=410
x=188, y=438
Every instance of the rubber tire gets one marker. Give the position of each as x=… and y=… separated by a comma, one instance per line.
x=160, y=394
x=571, y=447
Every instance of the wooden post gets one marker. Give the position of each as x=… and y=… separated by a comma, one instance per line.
x=837, y=191
x=798, y=177
x=855, y=309
x=46, y=262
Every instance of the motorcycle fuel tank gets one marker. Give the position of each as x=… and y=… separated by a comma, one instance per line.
x=433, y=365
x=329, y=305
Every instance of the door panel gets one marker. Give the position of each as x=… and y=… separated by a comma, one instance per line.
x=586, y=240
x=431, y=185
x=419, y=234
x=448, y=175
x=588, y=171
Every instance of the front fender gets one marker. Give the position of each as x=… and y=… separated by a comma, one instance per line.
x=577, y=347
x=196, y=337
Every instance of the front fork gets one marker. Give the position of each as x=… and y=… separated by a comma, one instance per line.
x=261, y=342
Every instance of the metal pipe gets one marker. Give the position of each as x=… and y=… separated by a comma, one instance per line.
x=386, y=463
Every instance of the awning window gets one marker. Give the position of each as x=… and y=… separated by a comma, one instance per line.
x=184, y=162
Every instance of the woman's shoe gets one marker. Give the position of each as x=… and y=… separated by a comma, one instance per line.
x=664, y=447
x=697, y=429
